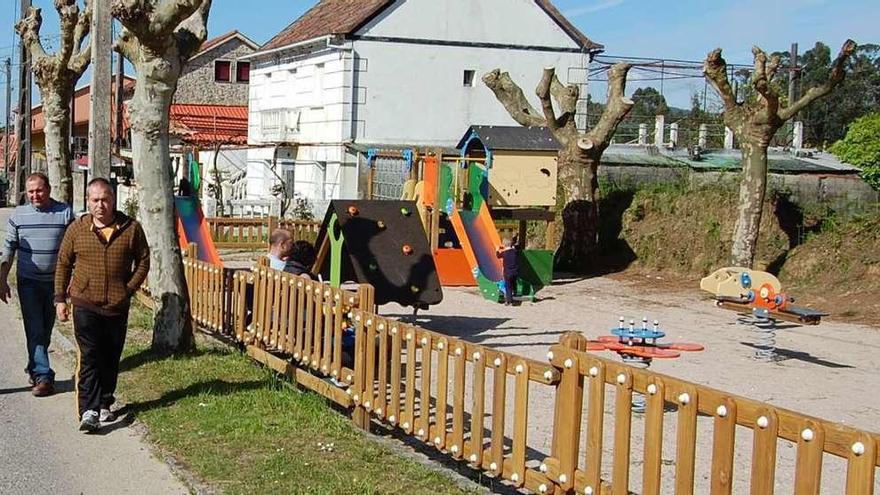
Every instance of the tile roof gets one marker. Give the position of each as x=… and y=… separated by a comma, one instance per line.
x=210, y=124
x=512, y=138
x=219, y=40
x=332, y=17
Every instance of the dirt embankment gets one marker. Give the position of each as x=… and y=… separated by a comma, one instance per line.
x=685, y=234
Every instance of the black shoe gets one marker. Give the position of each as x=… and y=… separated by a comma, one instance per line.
x=43, y=389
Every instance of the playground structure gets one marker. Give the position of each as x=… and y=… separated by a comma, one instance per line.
x=479, y=405
x=637, y=347
x=192, y=228
x=508, y=172
x=758, y=297
x=380, y=243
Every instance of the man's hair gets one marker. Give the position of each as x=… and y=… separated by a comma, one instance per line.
x=38, y=175
x=102, y=181
x=278, y=236
x=303, y=252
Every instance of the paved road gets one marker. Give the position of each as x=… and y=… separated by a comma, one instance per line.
x=41, y=450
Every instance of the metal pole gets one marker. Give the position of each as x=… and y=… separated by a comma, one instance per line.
x=99, y=118
x=6, y=125
x=23, y=165
x=120, y=78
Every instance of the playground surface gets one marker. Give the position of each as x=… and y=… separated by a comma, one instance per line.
x=828, y=371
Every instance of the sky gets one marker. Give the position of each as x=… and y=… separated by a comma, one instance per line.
x=676, y=29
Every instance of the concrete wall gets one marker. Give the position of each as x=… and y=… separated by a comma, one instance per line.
x=197, y=83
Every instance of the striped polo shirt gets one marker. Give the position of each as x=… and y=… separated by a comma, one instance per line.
x=36, y=235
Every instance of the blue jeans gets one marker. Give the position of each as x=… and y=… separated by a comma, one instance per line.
x=38, y=313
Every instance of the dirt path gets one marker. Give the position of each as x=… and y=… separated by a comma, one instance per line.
x=829, y=371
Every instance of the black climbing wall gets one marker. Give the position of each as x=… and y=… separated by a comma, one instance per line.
x=385, y=246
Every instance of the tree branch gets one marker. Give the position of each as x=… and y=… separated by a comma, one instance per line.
x=838, y=73
x=616, y=108
x=566, y=99
x=193, y=31
x=543, y=92
x=29, y=29
x=68, y=16
x=715, y=69
x=81, y=60
x=134, y=15
x=761, y=78
x=513, y=99
x=83, y=27
x=171, y=13
x=127, y=45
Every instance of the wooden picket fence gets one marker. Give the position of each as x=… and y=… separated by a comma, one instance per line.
x=253, y=233
x=485, y=407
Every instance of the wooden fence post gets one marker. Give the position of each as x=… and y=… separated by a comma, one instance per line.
x=567, y=414
x=366, y=302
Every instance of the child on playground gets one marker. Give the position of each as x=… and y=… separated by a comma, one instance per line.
x=508, y=254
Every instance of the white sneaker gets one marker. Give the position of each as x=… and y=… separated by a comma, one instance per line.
x=90, y=421
x=107, y=416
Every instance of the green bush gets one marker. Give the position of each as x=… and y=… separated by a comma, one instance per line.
x=861, y=147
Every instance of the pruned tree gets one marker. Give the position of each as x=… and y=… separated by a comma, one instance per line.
x=754, y=122
x=579, y=156
x=56, y=75
x=158, y=38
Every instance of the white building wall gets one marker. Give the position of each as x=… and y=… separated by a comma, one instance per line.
x=520, y=22
x=416, y=93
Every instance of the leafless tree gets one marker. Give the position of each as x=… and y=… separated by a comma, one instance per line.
x=579, y=156
x=56, y=75
x=158, y=38
x=754, y=122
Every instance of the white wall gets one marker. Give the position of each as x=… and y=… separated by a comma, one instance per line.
x=520, y=22
x=415, y=93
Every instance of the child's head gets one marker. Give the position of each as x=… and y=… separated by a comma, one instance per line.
x=506, y=243
x=302, y=252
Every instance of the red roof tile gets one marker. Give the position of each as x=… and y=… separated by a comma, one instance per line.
x=330, y=17
x=210, y=124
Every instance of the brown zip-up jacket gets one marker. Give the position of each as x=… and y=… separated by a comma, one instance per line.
x=98, y=274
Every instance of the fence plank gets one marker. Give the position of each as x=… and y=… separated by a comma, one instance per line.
x=764, y=452
x=860, y=469
x=622, y=432
x=686, y=437
x=520, y=422
x=369, y=384
x=317, y=328
x=299, y=323
x=424, y=421
x=499, y=397
x=595, y=423
x=477, y=409
x=808, y=468
x=440, y=403
x=292, y=315
x=457, y=448
x=394, y=396
x=382, y=386
x=339, y=325
x=327, y=338
x=653, y=457
x=410, y=385
x=308, y=329
x=723, y=444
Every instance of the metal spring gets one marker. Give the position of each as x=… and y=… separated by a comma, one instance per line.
x=764, y=330
x=639, y=403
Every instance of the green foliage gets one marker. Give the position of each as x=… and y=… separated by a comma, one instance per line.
x=130, y=206
x=861, y=147
x=302, y=208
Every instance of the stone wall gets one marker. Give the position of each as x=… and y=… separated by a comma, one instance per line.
x=197, y=83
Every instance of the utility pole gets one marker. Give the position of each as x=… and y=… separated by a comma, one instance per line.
x=99, y=95
x=793, y=75
x=23, y=164
x=6, y=125
x=120, y=76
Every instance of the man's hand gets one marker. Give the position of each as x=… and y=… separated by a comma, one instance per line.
x=61, y=311
x=5, y=292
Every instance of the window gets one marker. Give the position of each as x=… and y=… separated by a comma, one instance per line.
x=242, y=72
x=468, y=80
x=222, y=69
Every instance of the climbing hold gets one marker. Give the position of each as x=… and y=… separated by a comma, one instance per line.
x=373, y=266
x=407, y=249
x=414, y=289
x=380, y=224
x=405, y=212
x=353, y=211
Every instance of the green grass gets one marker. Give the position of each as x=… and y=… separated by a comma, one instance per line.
x=240, y=429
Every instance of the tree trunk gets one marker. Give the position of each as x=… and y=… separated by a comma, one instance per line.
x=57, y=131
x=579, y=183
x=150, y=109
x=751, y=204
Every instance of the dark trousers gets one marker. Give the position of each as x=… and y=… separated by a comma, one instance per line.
x=509, y=287
x=38, y=313
x=100, y=340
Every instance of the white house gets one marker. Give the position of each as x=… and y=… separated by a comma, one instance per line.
x=392, y=73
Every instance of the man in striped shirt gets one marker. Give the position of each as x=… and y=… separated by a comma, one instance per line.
x=35, y=232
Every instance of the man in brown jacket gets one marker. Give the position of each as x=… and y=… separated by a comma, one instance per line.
x=103, y=260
